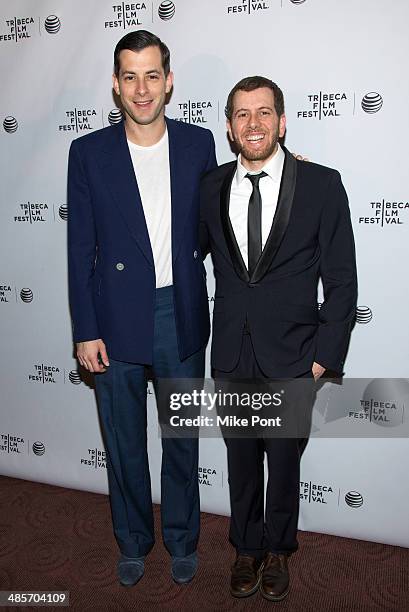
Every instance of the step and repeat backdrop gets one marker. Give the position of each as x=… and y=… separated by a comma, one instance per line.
x=341, y=67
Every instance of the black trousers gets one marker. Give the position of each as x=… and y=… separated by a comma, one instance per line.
x=253, y=531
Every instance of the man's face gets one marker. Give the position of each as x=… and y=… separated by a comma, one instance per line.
x=255, y=126
x=141, y=84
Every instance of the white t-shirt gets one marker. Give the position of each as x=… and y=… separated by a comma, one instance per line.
x=151, y=166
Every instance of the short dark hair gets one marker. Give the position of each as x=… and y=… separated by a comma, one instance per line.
x=138, y=40
x=250, y=84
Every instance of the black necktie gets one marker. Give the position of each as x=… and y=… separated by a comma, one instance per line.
x=254, y=222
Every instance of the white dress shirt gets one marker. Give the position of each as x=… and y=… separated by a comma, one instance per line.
x=241, y=189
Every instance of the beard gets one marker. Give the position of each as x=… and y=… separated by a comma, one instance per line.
x=261, y=154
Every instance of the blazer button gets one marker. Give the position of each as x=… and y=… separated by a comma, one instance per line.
x=120, y=266
x=195, y=254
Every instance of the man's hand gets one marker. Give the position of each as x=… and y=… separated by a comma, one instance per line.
x=87, y=353
x=317, y=370
x=300, y=157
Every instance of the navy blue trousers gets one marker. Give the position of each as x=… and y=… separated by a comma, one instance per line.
x=121, y=395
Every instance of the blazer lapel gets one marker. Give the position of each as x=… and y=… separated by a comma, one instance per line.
x=228, y=231
x=281, y=217
x=119, y=175
x=181, y=182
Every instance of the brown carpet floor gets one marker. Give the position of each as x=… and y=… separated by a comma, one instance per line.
x=53, y=538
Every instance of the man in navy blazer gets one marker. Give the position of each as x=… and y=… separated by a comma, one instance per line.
x=138, y=294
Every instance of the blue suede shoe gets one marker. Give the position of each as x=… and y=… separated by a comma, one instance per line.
x=184, y=568
x=130, y=570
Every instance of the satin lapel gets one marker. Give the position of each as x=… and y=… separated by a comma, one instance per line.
x=181, y=182
x=229, y=236
x=281, y=217
x=119, y=177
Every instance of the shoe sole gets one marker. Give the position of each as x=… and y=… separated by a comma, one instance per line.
x=182, y=581
x=274, y=597
x=253, y=590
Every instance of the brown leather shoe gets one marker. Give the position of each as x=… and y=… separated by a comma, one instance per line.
x=275, y=580
x=245, y=576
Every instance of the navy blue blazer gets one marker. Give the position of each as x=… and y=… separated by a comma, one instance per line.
x=110, y=263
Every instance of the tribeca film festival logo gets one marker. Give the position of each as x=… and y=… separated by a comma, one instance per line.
x=210, y=477
x=45, y=373
x=325, y=104
x=383, y=402
x=316, y=493
x=11, y=443
x=94, y=458
x=40, y=212
x=246, y=7
x=129, y=15
x=197, y=111
x=80, y=120
x=385, y=212
x=19, y=29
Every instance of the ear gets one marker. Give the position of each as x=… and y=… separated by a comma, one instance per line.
x=282, y=125
x=115, y=84
x=169, y=82
x=229, y=130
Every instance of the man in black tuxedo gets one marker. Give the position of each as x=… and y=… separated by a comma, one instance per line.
x=274, y=225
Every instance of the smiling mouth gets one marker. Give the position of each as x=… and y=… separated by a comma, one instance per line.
x=254, y=137
x=143, y=103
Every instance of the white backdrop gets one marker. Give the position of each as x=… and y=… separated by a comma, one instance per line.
x=341, y=66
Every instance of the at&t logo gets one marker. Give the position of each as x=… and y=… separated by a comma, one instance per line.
x=354, y=499
x=115, y=116
x=26, y=295
x=363, y=315
x=166, y=10
x=10, y=124
x=75, y=377
x=38, y=448
x=372, y=102
x=52, y=24
x=63, y=212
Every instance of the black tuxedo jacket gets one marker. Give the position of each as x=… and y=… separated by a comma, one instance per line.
x=310, y=237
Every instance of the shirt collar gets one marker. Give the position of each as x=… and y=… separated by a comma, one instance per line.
x=273, y=167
